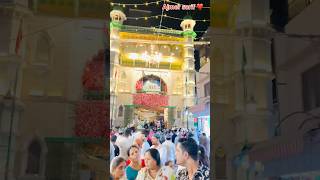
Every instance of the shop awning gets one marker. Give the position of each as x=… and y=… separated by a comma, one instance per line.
x=200, y=110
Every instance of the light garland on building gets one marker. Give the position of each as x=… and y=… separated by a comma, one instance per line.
x=149, y=3
x=166, y=16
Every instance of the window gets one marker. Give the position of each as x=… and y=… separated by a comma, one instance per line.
x=34, y=155
x=120, y=112
x=311, y=88
x=207, y=89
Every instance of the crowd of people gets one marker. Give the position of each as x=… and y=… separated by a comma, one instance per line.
x=159, y=154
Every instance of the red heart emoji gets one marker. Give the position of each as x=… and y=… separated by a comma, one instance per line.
x=199, y=6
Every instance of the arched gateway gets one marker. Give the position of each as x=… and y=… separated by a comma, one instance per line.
x=152, y=73
x=150, y=100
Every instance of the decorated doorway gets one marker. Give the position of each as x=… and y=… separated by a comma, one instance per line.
x=150, y=102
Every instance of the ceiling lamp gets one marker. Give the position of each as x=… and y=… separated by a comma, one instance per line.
x=158, y=57
x=154, y=48
x=145, y=56
x=133, y=56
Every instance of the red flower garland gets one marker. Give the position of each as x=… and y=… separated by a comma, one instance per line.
x=164, y=88
x=139, y=85
x=93, y=75
x=91, y=119
x=150, y=100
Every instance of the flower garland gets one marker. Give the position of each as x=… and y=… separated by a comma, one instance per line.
x=91, y=119
x=139, y=86
x=164, y=87
x=93, y=75
x=150, y=100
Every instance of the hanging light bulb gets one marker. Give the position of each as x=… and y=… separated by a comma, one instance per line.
x=176, y=51
x=158, y=57
x=124, y=5
x=165, y=49
x=111, y=4
x=145, y=18
x=145, y=56
x=135, y=6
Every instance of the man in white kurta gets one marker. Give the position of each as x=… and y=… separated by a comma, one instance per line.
x=170, y=148
x=124, y=143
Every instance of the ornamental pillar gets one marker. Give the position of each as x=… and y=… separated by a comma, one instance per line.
x=188, y=68
x=117, y=18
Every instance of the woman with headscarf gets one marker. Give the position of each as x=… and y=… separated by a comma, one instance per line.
x=153, y=169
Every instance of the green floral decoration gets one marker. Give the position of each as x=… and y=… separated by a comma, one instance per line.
x=189, y=33
x=115, y=25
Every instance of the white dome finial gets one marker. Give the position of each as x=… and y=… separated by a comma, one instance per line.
x=188, y=23
x=117, y=15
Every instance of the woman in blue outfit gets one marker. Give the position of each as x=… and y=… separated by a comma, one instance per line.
x=134, y=166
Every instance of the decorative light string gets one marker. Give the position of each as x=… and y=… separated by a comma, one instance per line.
x=150, y=3
x=158, y=16
x=161, y=18
x=174, y=29
x=166, y=16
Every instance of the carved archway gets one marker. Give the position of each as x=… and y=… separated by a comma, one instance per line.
x=140, y=83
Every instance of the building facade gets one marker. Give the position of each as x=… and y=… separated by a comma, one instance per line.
x=291, y=152
x=152, y=75
x=201, y=110
x=241, y=76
